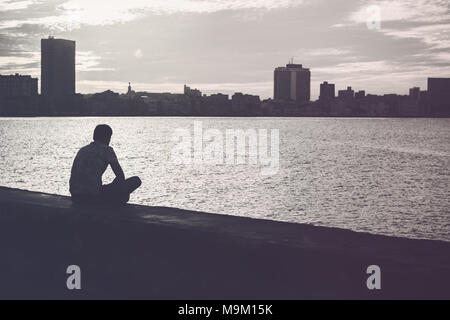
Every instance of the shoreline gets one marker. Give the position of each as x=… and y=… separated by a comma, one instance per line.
x=362, y=232
x=209, y=116
x=336, y=228
x=170, y=253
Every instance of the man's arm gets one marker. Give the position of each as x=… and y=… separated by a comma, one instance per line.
x=117, y=169
x=115, y=166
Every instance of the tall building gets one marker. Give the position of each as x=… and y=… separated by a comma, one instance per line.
x=57, y=67
x=292, y=82
x=18, y=86
x=326, y=91
x=439, y=96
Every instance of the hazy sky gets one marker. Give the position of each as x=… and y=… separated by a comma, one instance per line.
x=232, y=45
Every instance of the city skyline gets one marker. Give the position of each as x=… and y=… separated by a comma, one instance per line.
x=232, y=46
x=291, y=83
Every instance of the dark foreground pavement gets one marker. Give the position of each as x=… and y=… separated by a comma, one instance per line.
x=167, y=253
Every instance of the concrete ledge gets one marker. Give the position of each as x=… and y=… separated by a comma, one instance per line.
x=167, y=253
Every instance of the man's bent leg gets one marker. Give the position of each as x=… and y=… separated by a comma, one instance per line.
x=118, y=192
x=131, y=184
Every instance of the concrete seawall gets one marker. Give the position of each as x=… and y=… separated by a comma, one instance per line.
x=167, y=253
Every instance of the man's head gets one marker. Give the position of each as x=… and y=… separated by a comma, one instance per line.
x=103, y=133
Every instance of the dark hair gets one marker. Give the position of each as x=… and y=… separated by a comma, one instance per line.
x=102, y=132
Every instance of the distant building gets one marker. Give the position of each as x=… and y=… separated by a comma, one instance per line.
x=217, y=105
x=245, y=104
x=423, y=103
x=346, y=94
x=360, y=94
x=414, y=93
x=292, y=82
x=192, y=92
x=219, y=98
x=57, y=67
x=439, y=96
x=130, y=91
x=18, y=86
x=18, y=95
x=327, y=91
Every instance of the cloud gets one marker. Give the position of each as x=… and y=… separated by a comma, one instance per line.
x=435, y=36
x=22, y=62
x=321, y=52
x=404, y=10
x=357, y=67
x=422, y=26
x=8, y=5
x=29, y=63
x=72, y=14
x=425, y=20
x=87, y=61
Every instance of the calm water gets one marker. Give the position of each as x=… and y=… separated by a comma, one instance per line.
x=387, y=176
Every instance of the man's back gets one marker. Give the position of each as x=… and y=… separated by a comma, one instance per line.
x=88, y=167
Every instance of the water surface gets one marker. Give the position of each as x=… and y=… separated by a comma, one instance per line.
x=386, y=176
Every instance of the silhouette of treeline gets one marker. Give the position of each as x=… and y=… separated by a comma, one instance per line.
x=18, y=97
x=110, y=103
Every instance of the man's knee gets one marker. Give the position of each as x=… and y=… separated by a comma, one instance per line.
x=136, y=181
x=133, y=183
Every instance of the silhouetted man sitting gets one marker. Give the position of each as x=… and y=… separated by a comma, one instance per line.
x=88, y=167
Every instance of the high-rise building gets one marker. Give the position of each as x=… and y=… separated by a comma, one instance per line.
x=57, y=67
x=18, y=86
x=439, y=96
x=292, y=82
x=326, y=91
